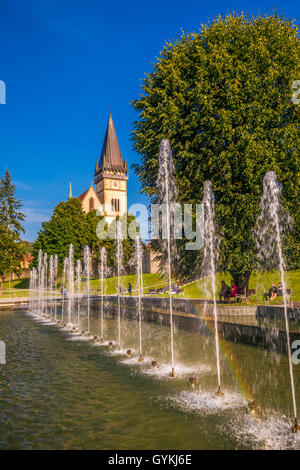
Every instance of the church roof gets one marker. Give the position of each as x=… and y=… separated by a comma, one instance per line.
x=111, y=157
x=83, y=195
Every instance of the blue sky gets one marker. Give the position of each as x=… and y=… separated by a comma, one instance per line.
x=65, y=63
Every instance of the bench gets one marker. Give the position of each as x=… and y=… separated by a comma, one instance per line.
x=241, y=296
x=161, y=290
x=288, y=294
x=252, y=292
x=152, y=291
x=180, y=291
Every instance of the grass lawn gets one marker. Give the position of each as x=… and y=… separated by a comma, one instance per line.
x=198, y=289
x=150, y=281
x=258, y=281
x=18, y=288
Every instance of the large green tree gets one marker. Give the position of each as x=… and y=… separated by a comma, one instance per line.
x=70, y=224
x=12, y=249
x=67, y=225
x=222, y=96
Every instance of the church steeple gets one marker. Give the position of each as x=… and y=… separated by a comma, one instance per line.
x=70, y=190
x=111, y=175
x=111, y=157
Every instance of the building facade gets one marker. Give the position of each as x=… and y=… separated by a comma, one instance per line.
x=110, y=178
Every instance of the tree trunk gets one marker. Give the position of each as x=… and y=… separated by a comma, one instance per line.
x=2, y=282
x=242, y=281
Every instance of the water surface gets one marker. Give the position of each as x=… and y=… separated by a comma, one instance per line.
x=59, y=392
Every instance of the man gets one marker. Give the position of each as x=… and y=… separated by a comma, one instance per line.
x=224, y=291
x=272, y=293
x=129, y=288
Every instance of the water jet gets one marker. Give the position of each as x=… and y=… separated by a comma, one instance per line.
x=192, y=381
x=219, y=392
x=296, y=427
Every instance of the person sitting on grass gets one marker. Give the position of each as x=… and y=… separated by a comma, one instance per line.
x=232, y=291
x=273, y=292
x=225, y=290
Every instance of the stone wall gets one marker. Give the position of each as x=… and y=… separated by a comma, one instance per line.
x=239, y=324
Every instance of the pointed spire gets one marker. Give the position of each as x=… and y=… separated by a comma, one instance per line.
x=70, y=190
x=111, y=157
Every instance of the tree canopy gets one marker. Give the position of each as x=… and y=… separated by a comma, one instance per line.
x=222, y=96
x=70, y=224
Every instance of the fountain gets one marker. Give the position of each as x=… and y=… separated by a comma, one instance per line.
x=51, y=283
x=33, y=289
x=78, y=284
x=63, y=288
x=269, y=228
x=55, y=274
x=87, y=261
x=102, y=273
x=39, y=281
x=119, y=256
x=210, y=253
x=270, y=223
x=70, y=282
x=139, y=269
x=166, y=194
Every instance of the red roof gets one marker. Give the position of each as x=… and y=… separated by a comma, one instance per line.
x=82, y=196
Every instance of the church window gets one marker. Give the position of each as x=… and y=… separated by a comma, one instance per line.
x=91, y=203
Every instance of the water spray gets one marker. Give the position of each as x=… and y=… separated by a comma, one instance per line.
x=270, y=225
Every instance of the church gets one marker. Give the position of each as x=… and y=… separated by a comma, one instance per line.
x=110, y=196
x=110, y=178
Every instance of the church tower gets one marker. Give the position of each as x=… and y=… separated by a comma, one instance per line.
x=111, y=175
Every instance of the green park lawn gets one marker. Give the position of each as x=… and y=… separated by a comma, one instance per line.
x=258, y=281
x=197, y=289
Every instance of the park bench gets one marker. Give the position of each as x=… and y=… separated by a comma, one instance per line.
x=161, y=290
x=152, y=291
x=241, y=296
x=252, y=292
x=244, y=296
x=180, y=291
x=288, y=294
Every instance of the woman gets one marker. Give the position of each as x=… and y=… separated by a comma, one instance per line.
x=233, y=291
